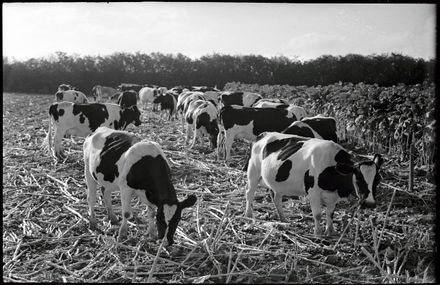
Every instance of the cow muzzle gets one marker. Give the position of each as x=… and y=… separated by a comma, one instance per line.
x=368, y=204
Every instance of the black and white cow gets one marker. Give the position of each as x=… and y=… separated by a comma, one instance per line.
x=292, y=165
x=71, y=96
x=168, y=101
x=119, y=160
x=246, y=99
x=127, y=99
x=65, y=87
x=201, y=118
x=314, y=127
x=104, y=93
x=83, y=119
x=130, y=86
x=248, y=123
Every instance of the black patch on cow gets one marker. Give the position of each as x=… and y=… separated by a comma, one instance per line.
x=153, y=175
x=265, y=119
x=332, y=180
x=166, y=102
x=96, y=113
x=114, y=146
x=325, y=127
x=283, y=171
x=54, y=112
x=59, y=96
x=127, y=99
x=234, y=98
x=308, y=181
x=82, y=119
x=343, y=162
x=285, y=147
x=202, y=120
x=299, y=131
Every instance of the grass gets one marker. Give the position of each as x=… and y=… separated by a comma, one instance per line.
x=46, y=235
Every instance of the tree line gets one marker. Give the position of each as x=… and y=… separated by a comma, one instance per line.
x=43, y=75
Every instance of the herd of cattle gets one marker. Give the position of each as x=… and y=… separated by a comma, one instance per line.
x=292, y=154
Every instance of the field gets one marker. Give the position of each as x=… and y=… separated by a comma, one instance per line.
x=46, y=235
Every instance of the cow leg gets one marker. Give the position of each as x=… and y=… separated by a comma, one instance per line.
x=196, y=133
x=330, y=200
x=228, y=147
x=92, y=186
x=253, y=176
x=187, y=135
x=278, y=201
x=108, y=205
x=57, y=144
x=126, y=194
x=315, y=203
x=151, y=213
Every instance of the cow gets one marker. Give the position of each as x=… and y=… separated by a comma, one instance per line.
x=104, y=93
x=248, y=123
x=168, y=101
x=83, y=119
x=130, y=86
x=314, y=127
x=147, y=95
x=127, y=99
x=119, y=160
x=65, y=87
x=292, y=165
x=185, y=99
x=201, y=117
x=71, y=96
x=245, y=99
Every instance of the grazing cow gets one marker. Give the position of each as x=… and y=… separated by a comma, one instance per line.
x=120, y=160
x=201, y=116
x=292, y=165
x=167, y=102
x=104, y=93
x=246, y=99
x=185, y=99
x=248, y=123
x=147, y=95
x=65, y=87
x=71, y=96
x=314, y=127
x=84, y=119
x=130, y=86
x=127, y=99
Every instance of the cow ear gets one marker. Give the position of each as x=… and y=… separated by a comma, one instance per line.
x=344, y=169
x=189, y=201
x=378, y=160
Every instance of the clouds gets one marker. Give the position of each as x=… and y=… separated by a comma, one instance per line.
x=197, y=29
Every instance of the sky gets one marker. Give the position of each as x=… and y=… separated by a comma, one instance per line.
x=195, y=29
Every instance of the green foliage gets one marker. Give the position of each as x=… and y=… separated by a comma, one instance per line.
x=43, y=75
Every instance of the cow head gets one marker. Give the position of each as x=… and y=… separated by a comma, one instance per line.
x=213, y=133
x=169, y=215
x=131, y=115
x=367, y=178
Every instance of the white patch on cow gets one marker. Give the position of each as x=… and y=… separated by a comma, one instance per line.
x=369, y=172
x=169, y=212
